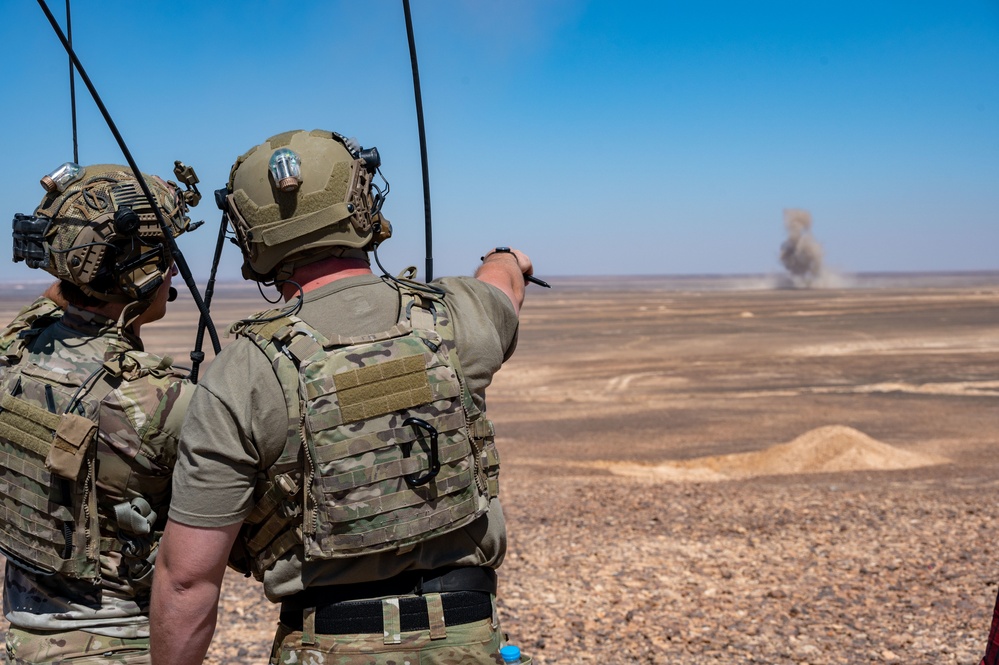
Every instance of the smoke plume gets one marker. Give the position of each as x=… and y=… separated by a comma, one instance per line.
x=801, y=253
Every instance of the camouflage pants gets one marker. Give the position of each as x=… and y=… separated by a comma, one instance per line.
x=78, y=647
x=473, y=643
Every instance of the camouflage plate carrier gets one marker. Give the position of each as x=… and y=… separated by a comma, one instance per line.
x=383, y=435
x=53, y=519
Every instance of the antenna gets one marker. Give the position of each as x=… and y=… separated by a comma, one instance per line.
x=423, y=139
x=72, y=84
x=182, y=266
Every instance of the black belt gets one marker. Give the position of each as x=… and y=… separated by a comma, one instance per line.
x=409, y=583
x=365, y=616
x=347, y=608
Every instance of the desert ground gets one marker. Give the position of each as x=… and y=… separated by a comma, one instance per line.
x=701, y=470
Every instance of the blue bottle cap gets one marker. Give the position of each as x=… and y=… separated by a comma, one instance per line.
x=510, y=654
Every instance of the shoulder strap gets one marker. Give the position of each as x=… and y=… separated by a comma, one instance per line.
x=30, y=321
x=274, y=336
x=427, y=312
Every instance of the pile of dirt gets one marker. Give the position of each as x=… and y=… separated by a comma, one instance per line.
x=828, y=449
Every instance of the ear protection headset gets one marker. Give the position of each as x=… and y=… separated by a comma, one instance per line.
x=102, y=235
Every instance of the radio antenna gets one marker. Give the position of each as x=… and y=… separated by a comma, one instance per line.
x=178, y=257
x=72, y=84
x=423, y=140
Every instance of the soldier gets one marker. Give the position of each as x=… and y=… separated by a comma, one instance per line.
x=338, y=449
x=89, y=422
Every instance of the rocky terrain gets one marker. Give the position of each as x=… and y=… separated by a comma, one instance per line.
x=695, y=474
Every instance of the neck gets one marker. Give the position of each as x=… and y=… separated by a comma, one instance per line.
x=113, y=310
x=110, y=310
x=311, y=276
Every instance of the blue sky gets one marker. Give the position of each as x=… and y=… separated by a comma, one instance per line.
x=601, y=137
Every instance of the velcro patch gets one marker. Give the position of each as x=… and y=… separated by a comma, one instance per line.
x=372, y=391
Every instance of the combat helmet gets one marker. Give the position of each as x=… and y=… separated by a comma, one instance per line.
x=301, y=196
x=96, y=229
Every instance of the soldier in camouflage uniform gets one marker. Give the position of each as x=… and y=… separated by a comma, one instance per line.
x=89, y=422
x=338, y=450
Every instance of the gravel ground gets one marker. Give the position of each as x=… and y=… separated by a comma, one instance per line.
x=885, y=568
x=865, y=566
x=803, y=570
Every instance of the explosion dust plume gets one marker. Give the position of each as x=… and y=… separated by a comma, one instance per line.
x=801, y=253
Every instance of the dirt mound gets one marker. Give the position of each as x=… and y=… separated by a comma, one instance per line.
x=823, y=450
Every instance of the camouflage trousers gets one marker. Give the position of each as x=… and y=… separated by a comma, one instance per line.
x=473, y=643
x=77, y=647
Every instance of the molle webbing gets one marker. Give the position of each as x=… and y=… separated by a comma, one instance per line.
x=48, y=510
x=365, y=450
x=274, y=525
x=27, y=425
x=392, y=448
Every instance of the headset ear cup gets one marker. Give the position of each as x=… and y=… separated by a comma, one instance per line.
x=381, y=230
x=142, y=269
x=141, y=282
x=242, y=233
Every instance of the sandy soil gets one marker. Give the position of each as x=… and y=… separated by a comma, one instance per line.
x=698, y=470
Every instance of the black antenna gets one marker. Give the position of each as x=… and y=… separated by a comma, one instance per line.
x=423, y=140
x=182, y=266
x=197, y=355
x=72, y=84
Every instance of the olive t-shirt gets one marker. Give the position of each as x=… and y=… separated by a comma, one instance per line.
x=237, y=427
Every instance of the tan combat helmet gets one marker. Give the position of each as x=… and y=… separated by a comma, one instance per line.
x=96, y=229
x=301, y=196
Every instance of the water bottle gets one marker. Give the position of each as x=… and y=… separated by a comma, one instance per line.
x=510, y=654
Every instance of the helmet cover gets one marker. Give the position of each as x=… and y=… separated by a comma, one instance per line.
x=278, y=227
x=102, y=235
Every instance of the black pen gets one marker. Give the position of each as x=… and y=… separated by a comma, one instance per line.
x=535, y=280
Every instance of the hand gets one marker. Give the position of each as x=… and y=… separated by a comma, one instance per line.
x=508, y=270
x=523, y=260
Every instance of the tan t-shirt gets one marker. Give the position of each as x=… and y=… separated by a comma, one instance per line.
x=237, y=426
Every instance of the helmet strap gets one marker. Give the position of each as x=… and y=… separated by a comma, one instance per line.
x=105, y=297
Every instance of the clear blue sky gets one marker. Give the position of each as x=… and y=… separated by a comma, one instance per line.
x=601, y=137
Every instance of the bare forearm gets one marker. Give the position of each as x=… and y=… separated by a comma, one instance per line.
x=506, y=270
x=182, y=621
x=184, y=606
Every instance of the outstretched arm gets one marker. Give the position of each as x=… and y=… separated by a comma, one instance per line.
x=184, y=607
x=506, y=271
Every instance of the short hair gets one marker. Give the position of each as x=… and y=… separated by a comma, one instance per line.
x=75, y=296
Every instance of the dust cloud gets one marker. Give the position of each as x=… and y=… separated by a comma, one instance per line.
x=801, y=253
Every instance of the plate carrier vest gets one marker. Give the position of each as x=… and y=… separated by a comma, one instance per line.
x=53, y=520
x=383, y=435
